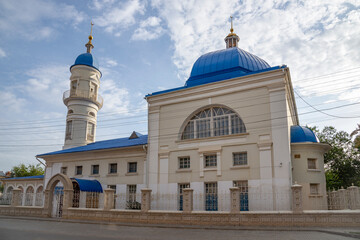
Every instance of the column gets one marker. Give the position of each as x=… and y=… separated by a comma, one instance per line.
x=188, y=200
x=145, y=199
x=68, y=198
x=109, y=199
x=297, y=205
x=16, y=197
x=234, y=199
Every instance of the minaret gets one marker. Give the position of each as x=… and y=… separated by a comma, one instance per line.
x=82, y=100
x=232, y=39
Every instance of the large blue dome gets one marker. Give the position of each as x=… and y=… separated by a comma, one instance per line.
x=224, y=64
x=86, y=59
x=302, y=134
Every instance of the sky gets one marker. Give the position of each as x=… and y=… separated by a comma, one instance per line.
x=144, y=46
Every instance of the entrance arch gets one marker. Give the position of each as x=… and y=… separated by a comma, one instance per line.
x=67, y=191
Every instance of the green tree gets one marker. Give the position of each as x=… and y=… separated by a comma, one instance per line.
x=342, y=161
x=25, y=171
x=356, y=133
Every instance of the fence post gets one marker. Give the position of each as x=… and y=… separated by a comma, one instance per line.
x=187, y=200
x=354, y=197
x=145, y=199
x=68, y=198
x=109, y=199
x=342, y=199
x=16, y=197
x=297, y=203
x=234, y=199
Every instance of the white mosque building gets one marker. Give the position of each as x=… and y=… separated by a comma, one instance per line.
x=233, y=123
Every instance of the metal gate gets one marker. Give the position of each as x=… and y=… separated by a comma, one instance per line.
x=58, y=202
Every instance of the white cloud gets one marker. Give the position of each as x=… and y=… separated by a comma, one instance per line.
x=100, y=4
x=47, y=82
x=2, y=53
x=149, y=29
x=313, y=38
x=116, y=99
x=36, y=19
x=11, y=103
x=119, y=16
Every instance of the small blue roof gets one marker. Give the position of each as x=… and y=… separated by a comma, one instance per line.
x=29, y=177
x=106, y=144
x=224, y=64
x=86, y=59
x=302, y=134
x=87, y=185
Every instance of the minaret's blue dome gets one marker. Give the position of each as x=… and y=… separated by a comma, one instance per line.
x=224, y=64
x=302, y=134
x=86, y=59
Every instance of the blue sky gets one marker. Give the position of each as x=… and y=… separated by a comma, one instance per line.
x=147, y=46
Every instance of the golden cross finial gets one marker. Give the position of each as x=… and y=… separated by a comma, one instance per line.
x=231, y=29
x=89, y=45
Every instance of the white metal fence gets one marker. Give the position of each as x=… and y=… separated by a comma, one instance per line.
x=5, y=199
x=126, y=201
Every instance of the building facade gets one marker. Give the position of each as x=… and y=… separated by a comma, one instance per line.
x=233, y=124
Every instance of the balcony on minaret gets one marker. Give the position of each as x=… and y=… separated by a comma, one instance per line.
x=81, y=95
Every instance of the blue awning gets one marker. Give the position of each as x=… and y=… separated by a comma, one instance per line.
x=87, y=185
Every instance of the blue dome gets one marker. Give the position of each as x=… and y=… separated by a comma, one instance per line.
x=86, y=59
x=302, y=134
x=224, y=64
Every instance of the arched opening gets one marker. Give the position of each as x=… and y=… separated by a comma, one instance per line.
x=212, y=121
x=9, y=190
x=29, y=196
x=39, y=199
x=57, y=194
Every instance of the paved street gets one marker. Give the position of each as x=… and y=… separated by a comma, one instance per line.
x=14, y=229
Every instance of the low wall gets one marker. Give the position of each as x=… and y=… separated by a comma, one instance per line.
x=313, y=219
x=23, y=211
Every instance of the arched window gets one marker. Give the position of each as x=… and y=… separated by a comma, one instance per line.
x=92, y=114
x=212, y=122
x=70, y=111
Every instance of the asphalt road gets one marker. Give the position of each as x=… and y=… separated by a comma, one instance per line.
x=36, y=229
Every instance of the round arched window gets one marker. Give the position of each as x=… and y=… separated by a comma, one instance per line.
x=212, y=122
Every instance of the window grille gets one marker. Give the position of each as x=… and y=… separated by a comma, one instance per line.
x=314, y=188
x=244, y=194
x=78, y=170
x=184, y=162
x=240, y=159
x=211, y=197
x=211, y=160
x=94, y=169
x=213, y=121
x=132, y=167
x=113, y=168
x=311, y=163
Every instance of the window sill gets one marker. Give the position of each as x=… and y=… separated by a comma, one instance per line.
x=210, y=169
x=212, y=138
x=94, y=175
x=240, y=167
x=183, y=170
x=112, y=175
x=78, y=175
x=131, y=174
x=314, y=170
